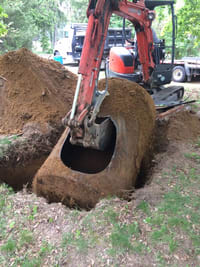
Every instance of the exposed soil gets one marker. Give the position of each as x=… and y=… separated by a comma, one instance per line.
x=183, y=126
x=36, y=90
x=132, y=110
x=60, y=235
x=35, y=94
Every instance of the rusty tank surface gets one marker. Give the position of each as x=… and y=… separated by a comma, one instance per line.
x=78, y=176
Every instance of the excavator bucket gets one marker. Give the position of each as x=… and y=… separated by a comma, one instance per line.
x=78, y=176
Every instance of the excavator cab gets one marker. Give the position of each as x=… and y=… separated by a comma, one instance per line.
x=125, y=63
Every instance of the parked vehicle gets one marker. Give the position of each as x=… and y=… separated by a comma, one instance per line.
x=70, y=46
x=186, y=68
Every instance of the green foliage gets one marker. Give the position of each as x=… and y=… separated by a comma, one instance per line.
x=116, y=21
x=3, y=29
x=33, y=213
x=5, y=143
x=26, y=22
x=188, y=35
x=79, y=9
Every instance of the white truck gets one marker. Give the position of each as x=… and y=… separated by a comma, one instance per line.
x=185, y=69
x=71, y=44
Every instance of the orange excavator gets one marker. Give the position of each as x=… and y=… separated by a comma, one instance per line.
x=109, y=131
x=87, y=99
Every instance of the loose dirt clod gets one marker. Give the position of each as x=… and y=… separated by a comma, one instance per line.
x=36, y=90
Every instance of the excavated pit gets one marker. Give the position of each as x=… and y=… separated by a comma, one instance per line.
x=35, y=114
x=87, y=160
x=132, y=111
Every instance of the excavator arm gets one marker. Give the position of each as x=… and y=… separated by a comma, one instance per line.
x=87, y=99
x=108, y=151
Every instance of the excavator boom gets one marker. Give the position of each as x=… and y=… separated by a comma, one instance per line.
x=88, y=99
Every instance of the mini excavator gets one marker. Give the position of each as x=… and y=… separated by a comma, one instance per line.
x=155, y=73
x=104, y=143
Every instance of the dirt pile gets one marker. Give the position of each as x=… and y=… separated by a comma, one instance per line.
x=36, y=90
x=183, y=126
x=73, y=179
x=35, y=94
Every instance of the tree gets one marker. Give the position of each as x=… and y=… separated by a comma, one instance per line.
x=188, y=35
x=48, y=19
x=3, y=29
x=29, y=20
x=79, y=8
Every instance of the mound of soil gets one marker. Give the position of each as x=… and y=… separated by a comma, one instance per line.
x=36, y=90
x=183, y=126
x=35, y=94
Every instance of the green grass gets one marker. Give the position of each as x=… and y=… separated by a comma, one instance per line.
x=33, y=212
x=77, y=241
x=121, y=237
x=198, y=143
x=193, y=156
x=45, y=249
x=31, y=262
x=110, y=215
x=26, y=237
x=177, y=213
x=144, y=206
x=5, y=144
x=9, y=246
x=15, y=237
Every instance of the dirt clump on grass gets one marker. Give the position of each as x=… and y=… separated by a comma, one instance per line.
x=36, y=90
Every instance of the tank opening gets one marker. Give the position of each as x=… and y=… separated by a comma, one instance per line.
x=88, y=160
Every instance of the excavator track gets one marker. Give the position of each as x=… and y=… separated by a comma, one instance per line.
x=78, y=176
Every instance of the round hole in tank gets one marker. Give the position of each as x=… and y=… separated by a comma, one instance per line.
x=88, y=160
